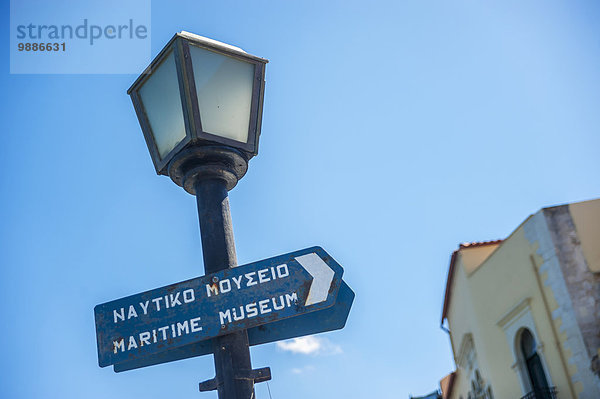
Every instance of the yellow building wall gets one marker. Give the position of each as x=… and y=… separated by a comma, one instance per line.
x=586, y=217
x=461, y=385
x=460, y=322
x=473, y=257
x=481, y=299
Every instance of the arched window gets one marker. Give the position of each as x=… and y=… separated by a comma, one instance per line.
x=535, y=370
x=478, y=381
x=478, y=388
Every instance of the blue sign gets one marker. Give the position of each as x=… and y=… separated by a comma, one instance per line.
x=330, y=319
x=234, y=299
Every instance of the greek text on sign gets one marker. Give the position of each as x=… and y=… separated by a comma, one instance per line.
x=202, y=308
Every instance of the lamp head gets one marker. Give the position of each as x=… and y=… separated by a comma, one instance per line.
x=198, y=92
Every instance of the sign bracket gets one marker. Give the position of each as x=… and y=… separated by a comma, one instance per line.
x=256, y=375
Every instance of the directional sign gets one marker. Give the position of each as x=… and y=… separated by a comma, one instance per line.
x=332, y=318
x=230, y=300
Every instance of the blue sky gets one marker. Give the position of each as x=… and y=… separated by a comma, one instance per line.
x=392, y=131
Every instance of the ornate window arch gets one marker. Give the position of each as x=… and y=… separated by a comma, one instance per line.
x=467, y=360
x=533, y=370
x=515, y=323
x=479, y=388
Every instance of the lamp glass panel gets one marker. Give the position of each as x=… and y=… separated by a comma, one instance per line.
x=162, y=103
x=224, y=88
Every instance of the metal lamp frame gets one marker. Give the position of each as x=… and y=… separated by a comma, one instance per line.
x=194, y=133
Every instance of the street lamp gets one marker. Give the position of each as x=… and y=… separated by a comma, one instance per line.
x=199, y=91
x=199, y=104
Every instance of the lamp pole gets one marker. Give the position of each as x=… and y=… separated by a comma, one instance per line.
x=231, y=352
x=209, y=172
x=199, y=104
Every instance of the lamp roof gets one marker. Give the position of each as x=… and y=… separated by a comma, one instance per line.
x=202, y=41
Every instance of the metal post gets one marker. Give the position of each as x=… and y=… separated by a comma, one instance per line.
x=209, y=172
x=231, y=352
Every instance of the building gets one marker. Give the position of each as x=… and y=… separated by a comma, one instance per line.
x=523, y=313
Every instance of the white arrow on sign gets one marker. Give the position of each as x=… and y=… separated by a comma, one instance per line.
x=322, y=277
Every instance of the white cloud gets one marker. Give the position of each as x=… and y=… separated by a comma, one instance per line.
x=304, y=345
x=303, y=369
x=310, y=346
